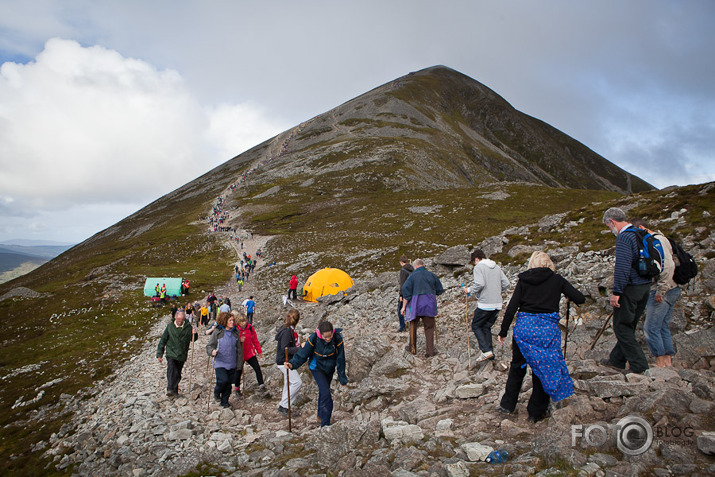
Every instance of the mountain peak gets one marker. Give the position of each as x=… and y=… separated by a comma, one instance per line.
x=438, y=128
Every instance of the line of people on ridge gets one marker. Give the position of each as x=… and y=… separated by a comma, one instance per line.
x=536, y=340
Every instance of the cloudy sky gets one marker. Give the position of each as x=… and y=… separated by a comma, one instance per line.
x=106, y=106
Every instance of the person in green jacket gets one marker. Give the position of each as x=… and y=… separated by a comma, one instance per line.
x=176, y=340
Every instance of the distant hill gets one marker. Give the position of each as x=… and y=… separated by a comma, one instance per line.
x=41, y=251
x=10, y=260
x=18, y=257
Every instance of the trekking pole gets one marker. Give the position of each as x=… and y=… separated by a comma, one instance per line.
x=466, y=318
x=208, y=392
x=191, y=366
x=600, y=332
x=290, y=424
x=566, y=337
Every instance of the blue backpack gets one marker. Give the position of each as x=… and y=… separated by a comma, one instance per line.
x=650, y=261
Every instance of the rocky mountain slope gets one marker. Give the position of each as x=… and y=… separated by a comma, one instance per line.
x=410, y=415
x=430, y=161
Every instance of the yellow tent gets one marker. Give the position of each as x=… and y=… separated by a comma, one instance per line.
x=327, y=281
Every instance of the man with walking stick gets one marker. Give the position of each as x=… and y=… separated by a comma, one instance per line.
x=489, y=284
x=175, y=340
x=629, y=296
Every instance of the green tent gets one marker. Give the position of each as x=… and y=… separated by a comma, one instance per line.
x=173, y=286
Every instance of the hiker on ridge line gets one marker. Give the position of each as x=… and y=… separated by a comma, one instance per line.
x=489, y=284
x=629, y=296
x=537, y=337
x=420, y=293
x=406, y=269
x=175, y=340
x=661, y=301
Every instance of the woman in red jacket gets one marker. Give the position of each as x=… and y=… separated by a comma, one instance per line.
x=251, y=348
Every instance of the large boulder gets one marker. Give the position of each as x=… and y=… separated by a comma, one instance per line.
x=342, y=438
x=454, y=257
x=695, y=349
x=401, y=431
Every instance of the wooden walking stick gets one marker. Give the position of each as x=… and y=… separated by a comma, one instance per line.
x=191, y=366
x=242, y=384
x=600, y=332
x=290, y=423
x=566, y=337
x=208, y=393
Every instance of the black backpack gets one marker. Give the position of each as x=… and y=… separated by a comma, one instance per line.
x=650, y=260
x=687, y=269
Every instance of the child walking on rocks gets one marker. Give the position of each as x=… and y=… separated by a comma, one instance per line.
x=325, y=351
x=288, y=339
x=251, y=348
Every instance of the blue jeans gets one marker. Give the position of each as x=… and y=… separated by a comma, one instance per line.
x=482, y=327
x=224, y=379
x=325, y=399
x=657, y=322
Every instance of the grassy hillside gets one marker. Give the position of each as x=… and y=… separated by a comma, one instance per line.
x=83, y=327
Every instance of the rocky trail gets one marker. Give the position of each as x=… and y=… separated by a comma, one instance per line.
x=400, y=414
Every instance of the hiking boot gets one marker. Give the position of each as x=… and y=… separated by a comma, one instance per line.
x=171, y=394
x=485, y=356
x=503, y=410
x=407, y=348
x=217, y=398
x=607, y=362
x=282, y=410
x=226, y=406
x=401, y=330
x=535, y=419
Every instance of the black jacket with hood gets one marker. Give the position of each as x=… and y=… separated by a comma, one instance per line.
x=538, y=291
x=286, y=339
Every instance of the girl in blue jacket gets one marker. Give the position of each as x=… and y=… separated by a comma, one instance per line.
x=325, y=351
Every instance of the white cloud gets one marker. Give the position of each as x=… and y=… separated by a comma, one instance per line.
x=234, y=128
x=85, y=125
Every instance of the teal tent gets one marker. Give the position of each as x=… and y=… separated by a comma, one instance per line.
x=173, y=286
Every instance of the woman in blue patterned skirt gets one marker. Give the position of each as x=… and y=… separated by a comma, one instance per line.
x=537, y=338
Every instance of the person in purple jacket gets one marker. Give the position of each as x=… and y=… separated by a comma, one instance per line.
x=227, y=350
x=420, y=293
